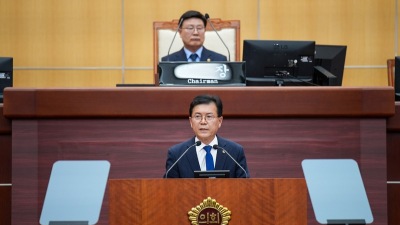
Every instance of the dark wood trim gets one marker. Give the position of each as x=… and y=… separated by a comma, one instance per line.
x=393, y=123
x=5, y=158
x=238, y=102
x=5, y=205
x=5, y=123
x=393, y=204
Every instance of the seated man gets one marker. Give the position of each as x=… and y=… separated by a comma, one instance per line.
x=192, y=32
x=205, y=117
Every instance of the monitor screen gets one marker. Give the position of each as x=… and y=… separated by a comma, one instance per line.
x=6, y=71
x=331, y=58
x=212, y=174
x=279, y=63
x=397, y=78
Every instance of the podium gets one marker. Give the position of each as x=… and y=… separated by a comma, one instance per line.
x=168, y=201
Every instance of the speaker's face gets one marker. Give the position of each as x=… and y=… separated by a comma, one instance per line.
x=192, y=33
x=205, y=122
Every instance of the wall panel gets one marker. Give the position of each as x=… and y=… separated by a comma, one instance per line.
x=139, y=77
x=67, y=78
x=90, y=33
x=365, y=77
x=394, y=27
x=366, y=27
x=65, y=33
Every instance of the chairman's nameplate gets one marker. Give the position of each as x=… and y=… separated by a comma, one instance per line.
x=209, y=212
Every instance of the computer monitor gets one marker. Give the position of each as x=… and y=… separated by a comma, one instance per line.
x=279, y=63
x=397, y=78
x=331, y=58
x=6, y=77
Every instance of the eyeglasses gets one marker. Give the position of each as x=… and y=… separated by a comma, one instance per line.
x=192, y=29
x=208, y=118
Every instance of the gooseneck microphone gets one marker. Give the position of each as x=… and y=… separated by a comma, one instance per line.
x=229, y=54
x=179, y=25
x=198, y=143
x=225, y=151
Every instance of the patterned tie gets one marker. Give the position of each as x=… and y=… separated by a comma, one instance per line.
x=193, y=57
x=209, y=158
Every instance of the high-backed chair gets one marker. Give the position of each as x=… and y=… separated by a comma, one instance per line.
x=390, y=69
x=229, y=30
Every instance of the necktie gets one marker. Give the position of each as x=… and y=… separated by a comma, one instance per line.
x=209, y=158
x=193, y=57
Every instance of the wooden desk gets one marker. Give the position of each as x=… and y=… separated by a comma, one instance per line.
x=134, y=127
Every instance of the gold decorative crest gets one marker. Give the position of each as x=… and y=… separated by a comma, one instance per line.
x=209, y=212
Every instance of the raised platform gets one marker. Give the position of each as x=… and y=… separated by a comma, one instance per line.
x=134, y=127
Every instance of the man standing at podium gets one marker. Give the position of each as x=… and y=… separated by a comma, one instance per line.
x=206, y=150
x=192, y=32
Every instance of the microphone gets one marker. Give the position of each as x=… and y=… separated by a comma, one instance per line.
x=229, y=54
x=225, y=151
x=179, y=25
x=198, y=143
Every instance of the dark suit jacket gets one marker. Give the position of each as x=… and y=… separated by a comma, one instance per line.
x=206, y=54
x=189, y=162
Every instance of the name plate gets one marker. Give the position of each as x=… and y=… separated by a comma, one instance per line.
x=202, y=73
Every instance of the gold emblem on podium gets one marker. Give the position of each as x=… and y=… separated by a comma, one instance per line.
x=209, y=212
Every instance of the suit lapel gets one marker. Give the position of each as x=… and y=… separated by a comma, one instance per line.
x=180, y=56
x=221, y=157
x=192, y=157
x=206, y=54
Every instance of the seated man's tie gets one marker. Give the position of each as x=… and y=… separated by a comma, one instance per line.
x=193, y=57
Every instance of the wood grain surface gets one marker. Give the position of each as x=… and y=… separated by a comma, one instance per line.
x=251, y=201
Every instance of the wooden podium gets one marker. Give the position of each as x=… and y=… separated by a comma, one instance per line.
x=168, y=201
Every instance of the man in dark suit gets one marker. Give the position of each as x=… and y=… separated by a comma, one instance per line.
x=205, y=117
x=192, y=32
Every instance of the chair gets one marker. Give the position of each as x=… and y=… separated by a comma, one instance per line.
x=390, y=69
x=229, y=30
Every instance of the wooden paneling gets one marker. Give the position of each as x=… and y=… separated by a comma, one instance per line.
x=268, y=201
x=393, y=123
x=283, y=126
x=393, y=143
x=365, y=77
x=5, y=123
x=5, y=159
x=137, y=148
x=88, y=33
x=393, y=156
x=393, y=166
x=370, y=39
x=139, y=77
x=67, y=78
x=393, y=204
x=398, y=39
x=66, y=33
x=5, y=205
x=5, y=168
x=239, y=101
x=5, y=149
